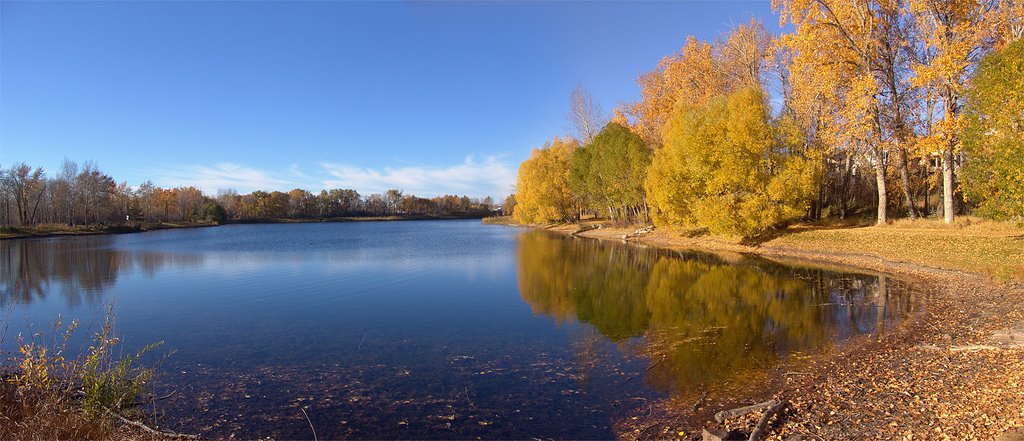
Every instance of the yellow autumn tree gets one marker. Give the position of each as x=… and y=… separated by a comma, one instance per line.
x=836, y=75
x=691, y=73
x=722, y=166
x=698, y=72
x=542, y=185
x=955, y=35
x=1005, y=23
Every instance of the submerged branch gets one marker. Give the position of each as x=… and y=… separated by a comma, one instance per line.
x=146, y=428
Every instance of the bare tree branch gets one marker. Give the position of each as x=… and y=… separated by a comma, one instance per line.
x=585, y=116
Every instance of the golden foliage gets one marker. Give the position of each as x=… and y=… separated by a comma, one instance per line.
x=832, y=87
x=723, y=167
x=542, y=186
x=955, y=34
x=698, y=72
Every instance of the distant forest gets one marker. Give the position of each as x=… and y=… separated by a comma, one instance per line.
x=84, y=195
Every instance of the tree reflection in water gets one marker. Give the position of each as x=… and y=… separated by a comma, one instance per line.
x=709, y=319
x=83, y=268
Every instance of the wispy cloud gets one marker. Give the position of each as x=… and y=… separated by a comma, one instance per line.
x=227, y=175
x=476, y=177
x=294, y=169
x=490, y=176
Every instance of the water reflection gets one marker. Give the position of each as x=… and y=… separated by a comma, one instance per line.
x=424, y=329
x=706, y=319
x=83, y=268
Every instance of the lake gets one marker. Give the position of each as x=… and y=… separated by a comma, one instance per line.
x=431, y=329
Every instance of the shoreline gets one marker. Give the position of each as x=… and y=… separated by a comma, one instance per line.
x=942, y=373
x=54, y=231
x=59, y=231
x=669, y=241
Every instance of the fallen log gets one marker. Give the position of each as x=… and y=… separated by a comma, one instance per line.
x=143, y=426
x=964, y=348
x=760, y=429
x=639, y=232
x=732, y=413
x=584, y=228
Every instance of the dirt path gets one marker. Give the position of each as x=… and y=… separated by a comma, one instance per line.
x=954, y=371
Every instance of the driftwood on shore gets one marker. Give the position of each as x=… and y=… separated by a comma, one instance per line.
x=771, y=408
x=583, y=228
x=762, y=425
x=733, y=413
x=999, y=340
x=640, y=232
x=146, y=428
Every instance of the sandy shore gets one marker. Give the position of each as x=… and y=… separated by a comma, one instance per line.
x=953, y=371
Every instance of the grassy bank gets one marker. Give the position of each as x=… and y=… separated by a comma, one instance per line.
x=47, y=230
x=499, y=220
x=953, y=371
x=971, y=245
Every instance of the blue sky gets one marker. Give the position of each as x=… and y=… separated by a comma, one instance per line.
x=427, y=97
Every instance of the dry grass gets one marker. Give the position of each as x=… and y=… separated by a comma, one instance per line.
x=43, y=229
x=985, y=247
x=499, y=220
x=25, y=415
x=46, y=392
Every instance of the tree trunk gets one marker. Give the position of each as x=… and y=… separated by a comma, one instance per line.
x=883, y=200
x=927, y=187
x=947, y=185
x=821, y=202
x=845, y=193
x=35, y=208
x=908, y=198
x=948, y=182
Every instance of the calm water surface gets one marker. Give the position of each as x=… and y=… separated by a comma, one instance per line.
x=430, y=329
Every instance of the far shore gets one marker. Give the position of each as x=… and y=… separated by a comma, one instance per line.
x=52, y=230
x=914, y=380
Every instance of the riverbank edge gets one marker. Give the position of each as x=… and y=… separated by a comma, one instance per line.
x=10, y=233
x=667, y=240
x=963, y=310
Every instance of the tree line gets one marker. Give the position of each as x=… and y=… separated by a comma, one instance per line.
x=887, y=107
x=84, y=195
